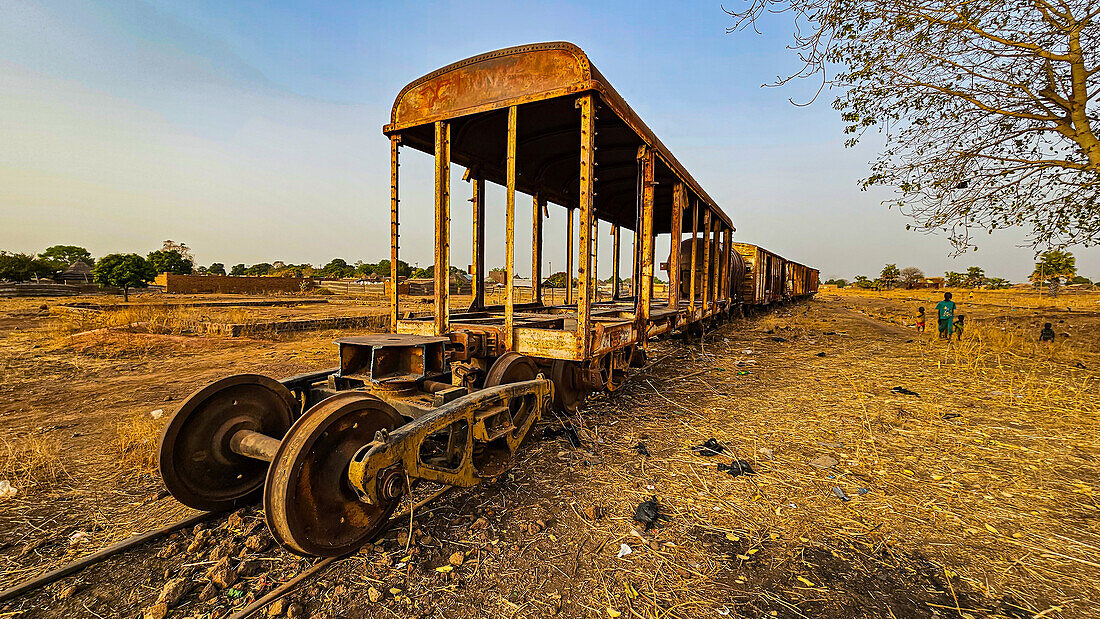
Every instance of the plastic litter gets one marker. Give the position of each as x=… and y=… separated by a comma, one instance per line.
x=7, y=490
x=779, y=339
x=839, y=492
x=737, y=467
x=567, y=431
x=904, y=391
x=624, y=550
x=157, y=414
x=709, y=447
x=642, y=449
x=649, y=513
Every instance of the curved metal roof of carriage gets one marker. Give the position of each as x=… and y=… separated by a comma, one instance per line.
x=544, y=79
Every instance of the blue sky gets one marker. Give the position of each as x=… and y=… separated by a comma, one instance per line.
x=251, y=130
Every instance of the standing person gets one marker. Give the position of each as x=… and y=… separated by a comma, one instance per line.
x=945, y=310
x=920, y=319
x=959, y=327
x=1047, y=334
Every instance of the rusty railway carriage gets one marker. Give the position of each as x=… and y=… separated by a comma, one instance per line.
x=802, y=281
x=449, y=397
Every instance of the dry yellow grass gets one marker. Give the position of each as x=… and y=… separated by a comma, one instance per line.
x=136, y=443
x=31, y=461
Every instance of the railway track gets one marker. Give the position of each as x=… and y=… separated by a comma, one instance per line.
x=133, y=543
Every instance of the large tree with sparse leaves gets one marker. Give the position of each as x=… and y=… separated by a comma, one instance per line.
x=986, y=106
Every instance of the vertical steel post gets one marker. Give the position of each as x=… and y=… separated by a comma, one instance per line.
x=510, y=233
x=645, y=279
x=616, y=250
x=595, y=260
x=727, y=246
x=395, y=144
x=569, y=257
x=539, y=205
x=694, y=254
x=442, y=226
x=477, y=268
x=674, y=253
x=585, y=202
x=707, y=277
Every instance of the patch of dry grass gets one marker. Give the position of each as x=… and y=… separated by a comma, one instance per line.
x=135, y=444
x=31, y=461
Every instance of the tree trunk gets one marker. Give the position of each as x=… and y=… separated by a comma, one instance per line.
x=1054, y=286
x=125, y=294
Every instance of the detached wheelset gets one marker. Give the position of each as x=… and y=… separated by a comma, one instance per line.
x=331, y=477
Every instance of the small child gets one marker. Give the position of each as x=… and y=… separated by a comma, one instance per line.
x=1047, y=334
x=959, y=327
x=920, y=319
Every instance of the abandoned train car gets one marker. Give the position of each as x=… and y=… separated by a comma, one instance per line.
x=449, y=397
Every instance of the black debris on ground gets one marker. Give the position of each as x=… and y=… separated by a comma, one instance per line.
x=737, y=467
x=904, y=391
x=649, y=513
x=709, y=447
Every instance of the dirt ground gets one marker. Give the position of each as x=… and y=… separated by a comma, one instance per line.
x=970, y=492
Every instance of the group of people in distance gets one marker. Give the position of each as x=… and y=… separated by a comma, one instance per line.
x=949, y=324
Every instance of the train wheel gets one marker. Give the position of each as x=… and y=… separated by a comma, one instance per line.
x=614, y=367
x=511, y=367
x=568, y=393
x=695, y=329
x=195, y=460
x=310, y=507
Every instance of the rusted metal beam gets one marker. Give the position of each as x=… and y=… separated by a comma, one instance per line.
x=539, y=207
x=510, y=232
x=594, y=295
x=706, y=261
x=674, y=253
x=693, y=289
x=442, y=226
x=395, y=145
x=727, y=237
x=617, y=253
x=644, y=296
x=569, y=256
x=585, y=202
x=477, y=199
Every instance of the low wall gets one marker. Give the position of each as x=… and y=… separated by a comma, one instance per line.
x=224, y=284
x=49, y=289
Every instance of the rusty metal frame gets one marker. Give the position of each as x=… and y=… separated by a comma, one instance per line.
x=442, y=226
x=538, y=207
x=569, y=256
x=395, y=147
x=616, y=251
x=402, y=446
x=585, y=202
x=644, y=294
x=676, y=232
x=510, y=233
x=693, y=289
x=706, y=262
x=727, y=238
x=477, y=267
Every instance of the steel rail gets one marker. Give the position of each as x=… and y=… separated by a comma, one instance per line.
x=71, y=568
x=284, y=589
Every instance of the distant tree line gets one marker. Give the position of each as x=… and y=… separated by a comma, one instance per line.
x=1053, y=268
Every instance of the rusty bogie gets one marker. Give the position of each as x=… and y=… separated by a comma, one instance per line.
x=461, y=443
